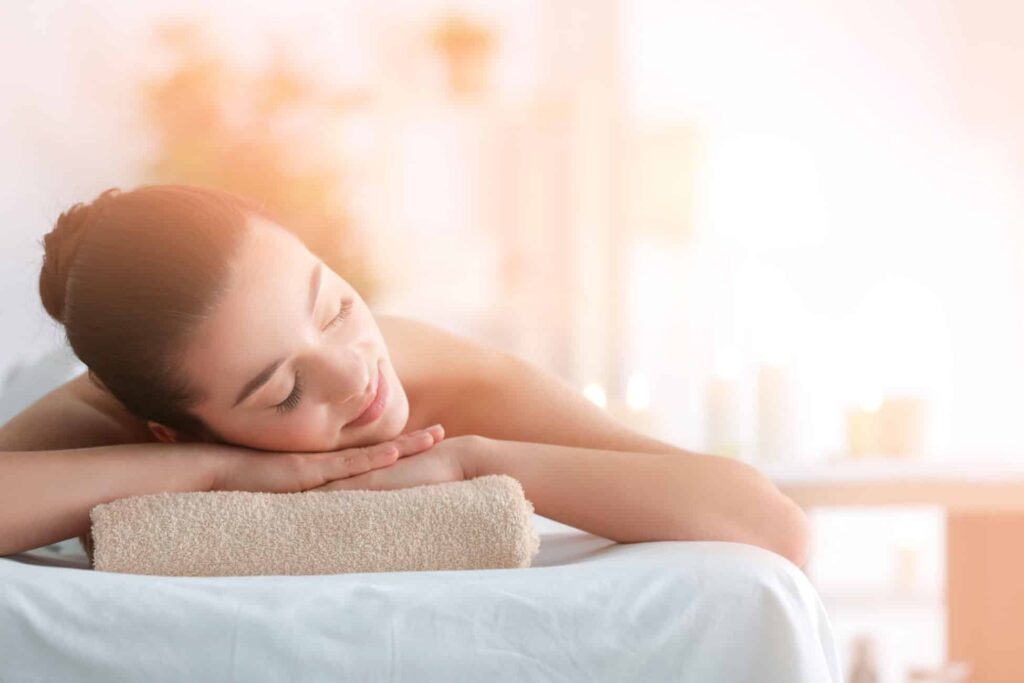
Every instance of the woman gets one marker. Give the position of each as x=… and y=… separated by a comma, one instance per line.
x=224, y=355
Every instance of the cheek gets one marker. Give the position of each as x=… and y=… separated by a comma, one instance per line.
x=298, y=432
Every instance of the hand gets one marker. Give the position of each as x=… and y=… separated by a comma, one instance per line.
x=243, y=469
x=443, y=462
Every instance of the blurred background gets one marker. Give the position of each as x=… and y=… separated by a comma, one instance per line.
x=788, y=232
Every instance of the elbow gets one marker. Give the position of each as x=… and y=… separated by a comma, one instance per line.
x=778, y=524
x=792, y=533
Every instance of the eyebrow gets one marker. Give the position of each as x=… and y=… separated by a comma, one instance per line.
x=266, y=373
x=258, y=381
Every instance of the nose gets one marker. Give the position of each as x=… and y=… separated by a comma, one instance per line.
x=341, y=374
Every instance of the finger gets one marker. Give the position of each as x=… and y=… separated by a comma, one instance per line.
x=361, y=460
x=414, y=442
x=350, y=452
x=361, y=481
x=437, y=431
x=434, y=432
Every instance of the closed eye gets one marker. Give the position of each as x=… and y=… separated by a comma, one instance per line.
x=346, y=306
x=293, y=398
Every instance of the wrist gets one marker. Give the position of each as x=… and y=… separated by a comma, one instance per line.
x=479, y=458
x=214, y=461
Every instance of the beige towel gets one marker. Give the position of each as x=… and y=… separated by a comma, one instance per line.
x=482, y=523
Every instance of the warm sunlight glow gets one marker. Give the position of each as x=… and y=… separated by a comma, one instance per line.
x=727, y=363
x=595, y=394
x=870, y=402
x=764, y=191
x=638, y=391
x=898, y=340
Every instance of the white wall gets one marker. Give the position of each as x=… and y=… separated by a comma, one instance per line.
x=863, y=153
x=67, y=135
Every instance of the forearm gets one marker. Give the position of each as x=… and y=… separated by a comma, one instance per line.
x=633, y=497
x=46, y=496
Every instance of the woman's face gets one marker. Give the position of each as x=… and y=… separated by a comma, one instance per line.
x=291, y=355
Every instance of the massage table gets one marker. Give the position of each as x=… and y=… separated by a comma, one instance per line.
x=587, y=609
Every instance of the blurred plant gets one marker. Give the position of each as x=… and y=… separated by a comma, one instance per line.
x=466, y=47
x=261, y=133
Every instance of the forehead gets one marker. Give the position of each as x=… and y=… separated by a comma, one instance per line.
x=258, y=312
x=266, y=247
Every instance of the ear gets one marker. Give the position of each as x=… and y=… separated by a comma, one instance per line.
x=164, y=434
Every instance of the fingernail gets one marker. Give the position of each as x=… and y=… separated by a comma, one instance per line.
x=420, y=432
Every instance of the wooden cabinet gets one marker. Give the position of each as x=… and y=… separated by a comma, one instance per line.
x=984, y=543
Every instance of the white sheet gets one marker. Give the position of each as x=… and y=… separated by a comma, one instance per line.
x=588, y=610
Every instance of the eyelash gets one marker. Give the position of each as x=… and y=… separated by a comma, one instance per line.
x=346, y=306
x=294, y=397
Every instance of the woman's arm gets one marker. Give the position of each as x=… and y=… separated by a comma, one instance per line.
x=46, y=496
x=580, y=466
x=77, y=447
x=633, y=497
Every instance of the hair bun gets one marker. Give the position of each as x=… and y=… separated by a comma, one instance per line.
x=60, y=246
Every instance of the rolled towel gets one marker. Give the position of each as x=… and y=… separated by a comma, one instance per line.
x=482, y=523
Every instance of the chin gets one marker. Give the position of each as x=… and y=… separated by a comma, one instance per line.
x=394, y=420
x=392, y=423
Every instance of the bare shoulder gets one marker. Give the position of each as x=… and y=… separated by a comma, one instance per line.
x=77, y=414
x=443, y=373
x=416, y=346
x=478, y=389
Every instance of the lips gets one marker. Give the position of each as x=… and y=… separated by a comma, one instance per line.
x=374, y=406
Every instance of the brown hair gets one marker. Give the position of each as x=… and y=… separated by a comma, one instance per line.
x=130, y=276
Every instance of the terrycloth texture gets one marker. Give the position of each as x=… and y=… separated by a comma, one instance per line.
x=482, y=523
